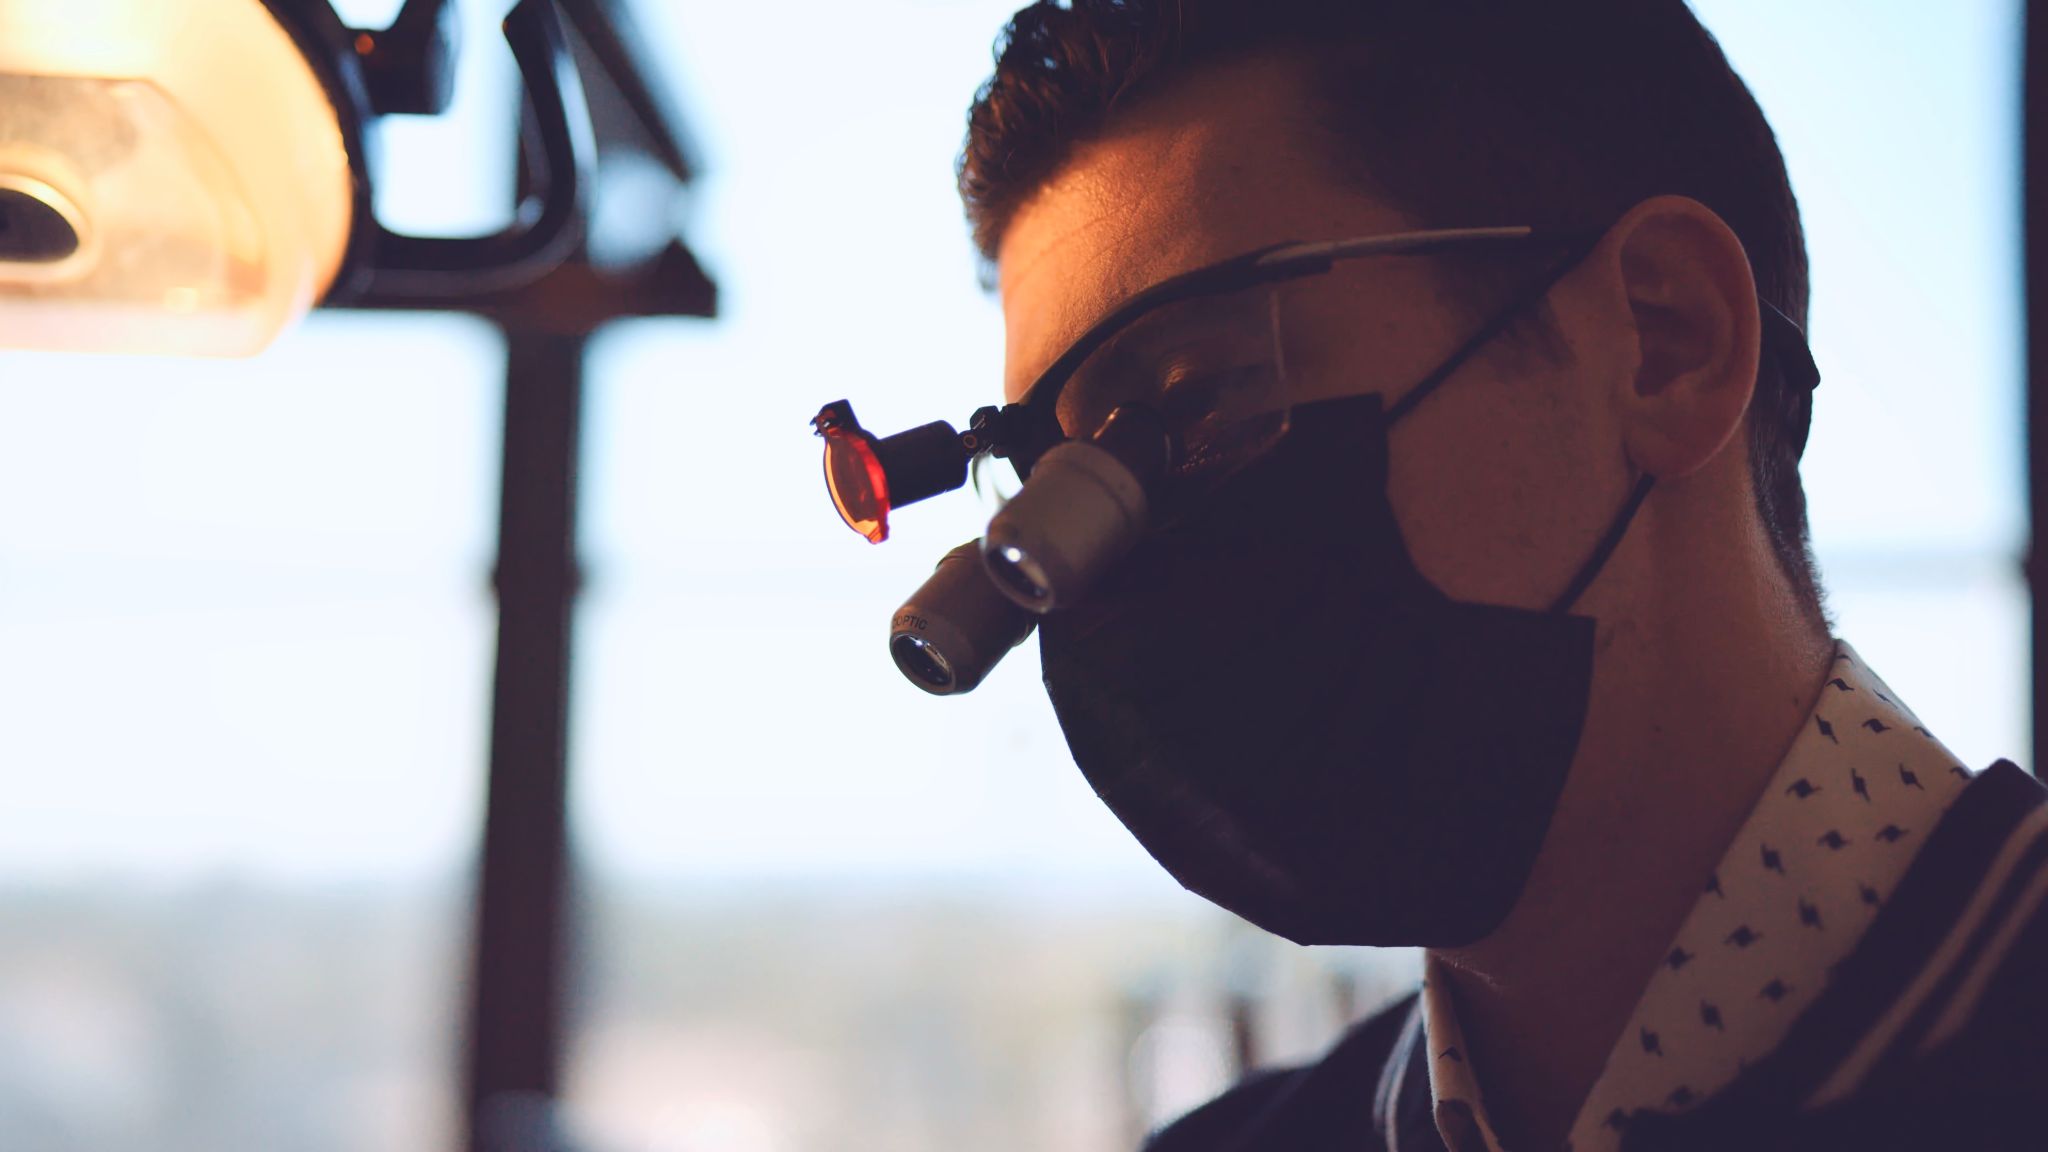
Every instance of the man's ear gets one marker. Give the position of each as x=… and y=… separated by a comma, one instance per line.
x=1689, y=301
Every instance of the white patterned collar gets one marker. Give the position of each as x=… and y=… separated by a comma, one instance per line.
x=1832, y=834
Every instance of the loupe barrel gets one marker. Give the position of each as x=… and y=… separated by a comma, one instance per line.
x=956, y=627
x=1084, y=506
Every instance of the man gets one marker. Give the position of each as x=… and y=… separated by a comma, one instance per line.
x=1535, y=674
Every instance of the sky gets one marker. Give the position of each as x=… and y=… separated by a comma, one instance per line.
x=244, y=627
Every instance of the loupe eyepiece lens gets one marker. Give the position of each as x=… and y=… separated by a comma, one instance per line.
x=956, y=627
x=1084, y=506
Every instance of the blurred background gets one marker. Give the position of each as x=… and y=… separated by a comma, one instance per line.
x=247, y=632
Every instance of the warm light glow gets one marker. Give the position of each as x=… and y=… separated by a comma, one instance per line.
x=196, y=155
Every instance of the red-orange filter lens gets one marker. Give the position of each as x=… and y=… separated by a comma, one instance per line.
x=859, y=487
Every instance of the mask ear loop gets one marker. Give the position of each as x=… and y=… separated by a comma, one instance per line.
x=1608, y=543
x=1785, y=352
x=1493, y=328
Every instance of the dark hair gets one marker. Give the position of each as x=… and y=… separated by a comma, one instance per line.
x=1560, y=113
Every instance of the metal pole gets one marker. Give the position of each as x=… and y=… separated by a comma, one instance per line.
x=521, y=940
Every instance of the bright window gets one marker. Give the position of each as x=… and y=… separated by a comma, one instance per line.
x=244, y=649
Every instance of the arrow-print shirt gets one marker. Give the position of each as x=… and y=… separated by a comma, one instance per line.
x=1833, y=833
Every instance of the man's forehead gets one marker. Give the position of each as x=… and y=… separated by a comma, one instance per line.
x=1090, y=238
x=1219, y=165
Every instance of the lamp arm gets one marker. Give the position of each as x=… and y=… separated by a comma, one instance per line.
x=548, y=224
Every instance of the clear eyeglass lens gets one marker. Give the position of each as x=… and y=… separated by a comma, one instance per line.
x=1211, y=367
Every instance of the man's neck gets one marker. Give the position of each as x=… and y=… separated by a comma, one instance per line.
x=1681, y=736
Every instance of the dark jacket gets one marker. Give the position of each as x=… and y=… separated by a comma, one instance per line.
x=1933, y=1034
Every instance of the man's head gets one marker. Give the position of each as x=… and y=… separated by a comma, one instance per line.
x=1121, y=141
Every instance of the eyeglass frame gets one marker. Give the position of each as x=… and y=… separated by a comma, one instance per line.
x=1025, y=430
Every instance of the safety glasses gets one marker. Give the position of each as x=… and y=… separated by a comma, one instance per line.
x=869, y=477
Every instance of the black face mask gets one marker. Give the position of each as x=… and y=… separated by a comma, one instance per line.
x=1304, y=730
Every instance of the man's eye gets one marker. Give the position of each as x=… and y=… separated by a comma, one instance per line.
x=1188, y=396
x=1194, y=395
x=1183, y=391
